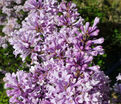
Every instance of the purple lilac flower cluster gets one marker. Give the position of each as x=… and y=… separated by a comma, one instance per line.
x=61, y=47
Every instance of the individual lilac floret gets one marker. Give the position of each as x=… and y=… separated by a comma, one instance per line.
x=118, y=77
x=92, y=31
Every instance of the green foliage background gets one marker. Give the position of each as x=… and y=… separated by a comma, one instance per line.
x=109, y=12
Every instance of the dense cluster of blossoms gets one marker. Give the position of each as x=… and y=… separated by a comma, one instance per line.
x=61, y=47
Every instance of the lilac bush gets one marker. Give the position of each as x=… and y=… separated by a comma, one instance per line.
x=61, y=47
